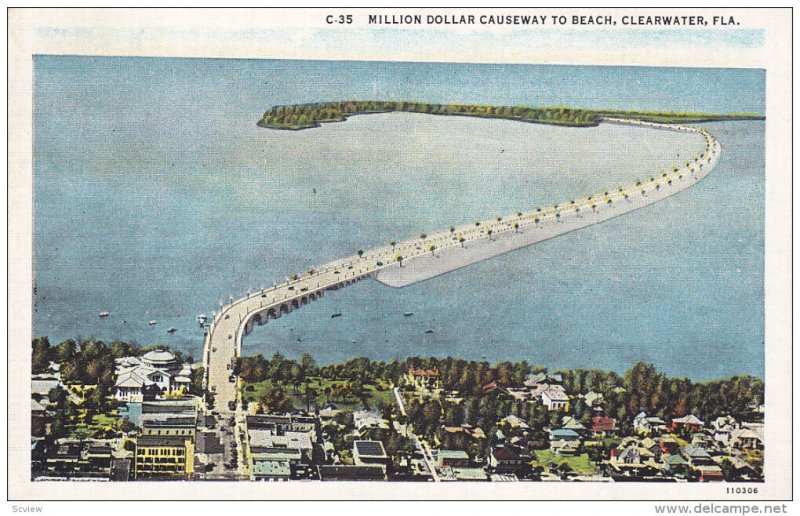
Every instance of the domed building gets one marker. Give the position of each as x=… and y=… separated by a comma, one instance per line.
x=161, y=359
x=154, y=374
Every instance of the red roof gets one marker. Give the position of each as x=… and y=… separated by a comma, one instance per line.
x=603, y=424
x=423, y=372
x=505, y=454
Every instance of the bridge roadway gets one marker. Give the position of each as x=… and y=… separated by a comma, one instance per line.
x=437, y=253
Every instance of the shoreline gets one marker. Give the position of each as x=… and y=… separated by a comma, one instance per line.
x=298, y=117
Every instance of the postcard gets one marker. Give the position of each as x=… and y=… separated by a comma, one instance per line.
x=523, y=254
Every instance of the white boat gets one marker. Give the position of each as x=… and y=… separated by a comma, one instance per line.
x=104, y=314
x=152, y=323
x=202, y=318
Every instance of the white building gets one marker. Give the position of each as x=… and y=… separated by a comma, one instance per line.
x=555, y=398
x=157, y=372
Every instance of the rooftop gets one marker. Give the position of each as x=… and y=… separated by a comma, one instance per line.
x=369, y=449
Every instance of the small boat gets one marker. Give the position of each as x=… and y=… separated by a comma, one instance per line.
x=299, y=339
x=202, y=318
x=172, y=330
x=408, y=314
x=352, y=342
x=152, y=323
x=428, y=331
x=337, y=314
x=104, y=314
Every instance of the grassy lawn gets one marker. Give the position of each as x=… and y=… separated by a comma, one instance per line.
x=99, y=422
x=579, y=463
x=374, y=396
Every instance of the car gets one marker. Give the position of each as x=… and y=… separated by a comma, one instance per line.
x=232, y=379
x=213, y=350
x=379, y=264
x=231, y=406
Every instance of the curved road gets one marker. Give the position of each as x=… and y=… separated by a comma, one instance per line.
x=434, y=254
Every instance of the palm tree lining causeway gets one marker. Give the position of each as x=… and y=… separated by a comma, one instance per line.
x=404, y=263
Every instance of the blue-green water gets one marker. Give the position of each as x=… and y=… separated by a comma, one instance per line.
x=156, y=196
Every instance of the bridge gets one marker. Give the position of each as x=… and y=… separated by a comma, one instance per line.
x=418, y=259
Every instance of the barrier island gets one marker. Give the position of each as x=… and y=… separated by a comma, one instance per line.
x=297, y=117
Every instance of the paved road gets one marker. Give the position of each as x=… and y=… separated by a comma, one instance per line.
x=236, y=318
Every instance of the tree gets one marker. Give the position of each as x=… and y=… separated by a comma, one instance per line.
x=42, y=353
x=360, y=253
x=308, y=363
x=275, y=400
x=65, y=350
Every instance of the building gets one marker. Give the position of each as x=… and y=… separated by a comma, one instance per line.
x=422, y=379
x=649, y=425
x=463, y=475
x=604, y=425
x=164, y=456
x=722, y=428
x=154, y=374
x=271, y=470
x=555, y=398
x=369, y=452
x=367, y=419
x=352, y=473
x=452, y=459
x=564, y=441
x=505, y=460
x=277, y=464
x=703, y=465
x=70, y=458
x=747, y=439
x=690, y=423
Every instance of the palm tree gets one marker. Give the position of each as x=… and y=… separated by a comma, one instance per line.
x=432, y=248
x=360, y=253
x=489, y=232
x=499, y=218
x=558, y=217
x=516, y=227
x=392, y=243
x=310, y=271
x=594, y=208
x=399, y=259
x=536, y=220
x=477, y=223
x=452, y=229
x=577, y=210
x=461, y=240
x=519, y=214
x=423, y=236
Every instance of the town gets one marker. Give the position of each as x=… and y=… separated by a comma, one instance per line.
x=121, y=412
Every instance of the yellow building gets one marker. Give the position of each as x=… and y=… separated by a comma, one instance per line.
x=170, y=456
